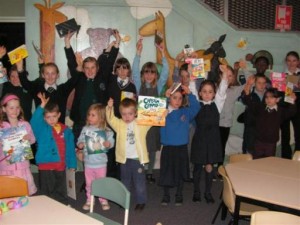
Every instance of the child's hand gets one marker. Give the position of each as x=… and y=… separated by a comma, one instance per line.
x=139, y=46
x=250, y=80
x=110, y=103
x=41, y=60
x=186, y=89
x=26, y=137
x=67, y=39
x=2, y=51
x=106, y=144
x=236, y=66
x=19, y=65
x=80, y=145
x=180, y=56
x=224, y=71
x=168, y=93
x=117, y=36
x=293, y=96
x=43, y=99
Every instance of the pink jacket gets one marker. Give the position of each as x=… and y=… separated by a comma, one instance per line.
x=4, y=165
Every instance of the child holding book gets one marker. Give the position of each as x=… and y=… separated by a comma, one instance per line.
x=174, y=163
x=292, y=61
x=149, y=83
x=95, y=140
x=12, y=116
x=131, y=150
x=56, y=149
x=269, y=116
x=206, y=144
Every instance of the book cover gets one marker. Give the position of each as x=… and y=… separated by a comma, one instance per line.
x=15, y=149
x=278, y=81
x=126, y=94
x=158, y=38
x=94, y=142
x=17, y=54
x=68, y=26
x=288, y=93
x=198, y=70
x=71, y=183
x=152, y=111
x=295, y=80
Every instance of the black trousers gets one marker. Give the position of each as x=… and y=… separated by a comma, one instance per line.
x=286, y=150
x=53, y=184
x=224, y=132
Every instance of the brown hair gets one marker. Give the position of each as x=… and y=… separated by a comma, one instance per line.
x=124, y=63
x=51, y=107
x=127, y=103
x=100, y=110
x=50, y=64
x=3, y=115
x=90, y=59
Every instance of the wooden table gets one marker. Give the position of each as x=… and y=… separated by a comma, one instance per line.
x=44, y=210
x=269, y=180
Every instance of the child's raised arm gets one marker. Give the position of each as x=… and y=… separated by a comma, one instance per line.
x=44, y=100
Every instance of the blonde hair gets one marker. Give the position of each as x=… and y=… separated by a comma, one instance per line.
x=152, y=67
x=100, y=110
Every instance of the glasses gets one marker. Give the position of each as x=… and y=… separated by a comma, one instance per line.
x=149, y=71
x=124, y=67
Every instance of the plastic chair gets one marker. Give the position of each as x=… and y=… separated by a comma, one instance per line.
x=240, y=157
x=113, y=190
x=296, y=155
x=12, y=186
x=228, y=197
x=271, y=217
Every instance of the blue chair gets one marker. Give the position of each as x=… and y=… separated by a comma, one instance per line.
x=113, y=190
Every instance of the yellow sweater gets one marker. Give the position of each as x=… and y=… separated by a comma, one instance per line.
x=120, y=127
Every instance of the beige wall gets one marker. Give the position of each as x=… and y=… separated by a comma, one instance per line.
x=12, y=8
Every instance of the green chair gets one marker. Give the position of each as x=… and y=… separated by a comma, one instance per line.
x=113, y=190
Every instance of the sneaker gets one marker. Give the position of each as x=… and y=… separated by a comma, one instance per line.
x=166, y=200
x=86, y=206
x=178, y=200
x=105, y=206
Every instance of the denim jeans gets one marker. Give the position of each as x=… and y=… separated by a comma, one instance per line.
x=133, y=173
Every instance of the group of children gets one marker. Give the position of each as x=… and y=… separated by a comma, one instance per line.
x=98, y=110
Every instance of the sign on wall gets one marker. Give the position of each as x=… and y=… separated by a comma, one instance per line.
x=283, y=20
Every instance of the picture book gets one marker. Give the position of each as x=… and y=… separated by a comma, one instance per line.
x=71, y=183
x=295, y=80
x=152, y=111
x=278, y=81
x=14, y=147
x=288, y=93
x=17, y=54
x=67, y=26
x=126, y=94
x=158, y=39
x=94, y=142
x=197, y=68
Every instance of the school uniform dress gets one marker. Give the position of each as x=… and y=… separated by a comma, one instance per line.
x=206, y=143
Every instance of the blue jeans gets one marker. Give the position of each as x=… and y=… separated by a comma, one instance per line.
x=133, y=172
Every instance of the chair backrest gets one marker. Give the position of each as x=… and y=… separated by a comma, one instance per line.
x=271, y=217
x=228, y=194
x=12, y=186
x=113, y=190
x=296, y=155
x=240, y=157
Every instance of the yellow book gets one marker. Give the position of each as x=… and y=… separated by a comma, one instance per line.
x=17, y=54
x=152, y=111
